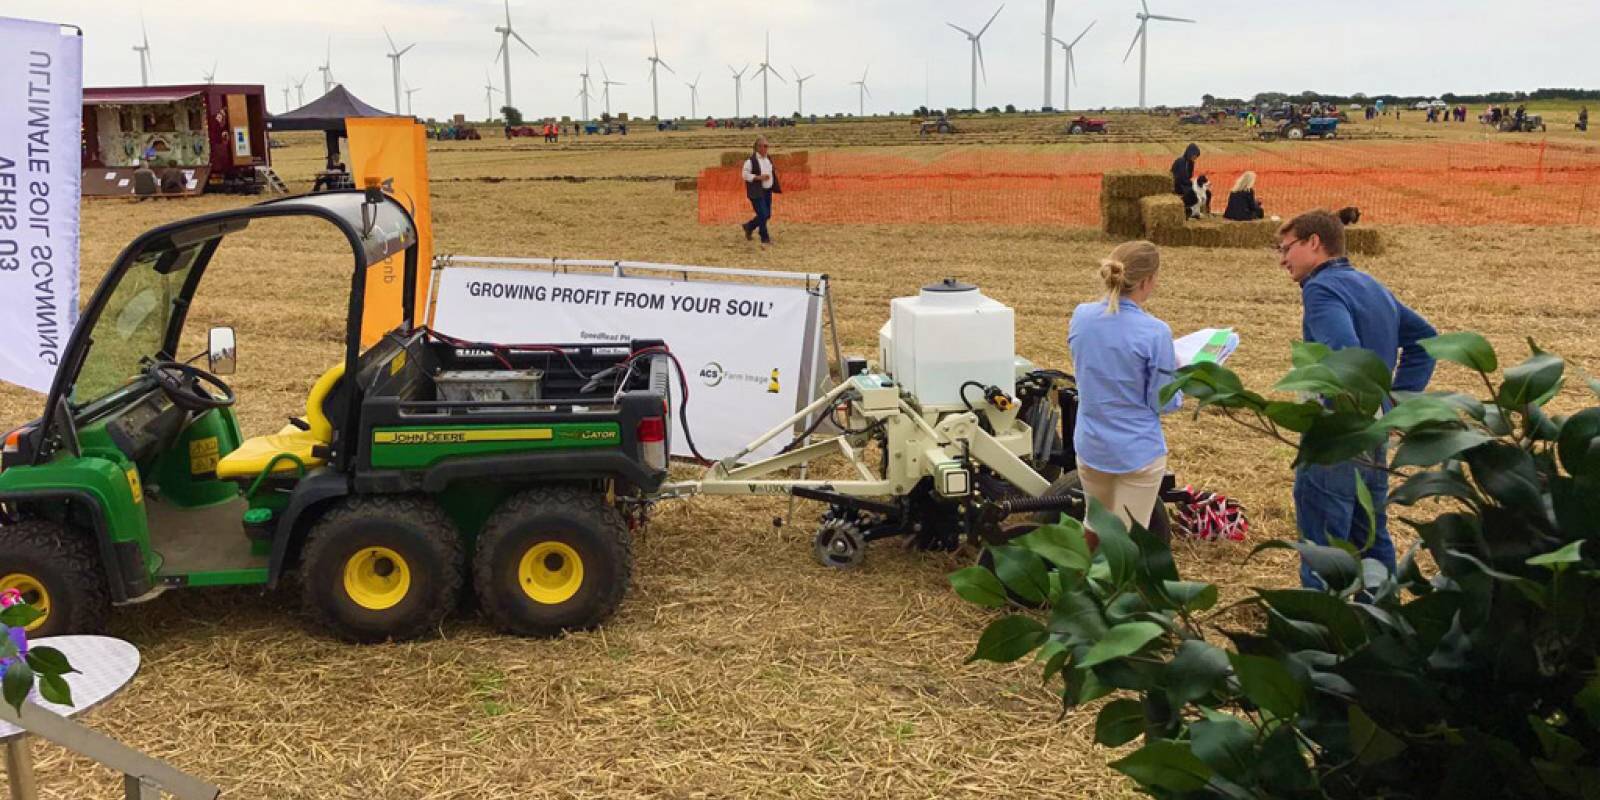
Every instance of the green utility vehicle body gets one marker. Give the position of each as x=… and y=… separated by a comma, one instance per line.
x=136, y=479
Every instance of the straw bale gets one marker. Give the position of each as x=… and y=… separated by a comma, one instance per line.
x=687, y=185
x=1132, y=184
x=733, y=158
x=1161, y=211
x=1121, y=218
x=1363, y=240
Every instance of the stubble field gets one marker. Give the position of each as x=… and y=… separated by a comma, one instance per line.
x=736, y=667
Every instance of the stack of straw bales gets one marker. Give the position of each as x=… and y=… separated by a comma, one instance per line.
x=1141, y=204
x=1120, y=192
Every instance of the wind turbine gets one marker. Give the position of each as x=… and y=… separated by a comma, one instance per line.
x=506, y=35
x=1142, y=39
x=738, y=88
x=211, y=77
x=862, y=93
x=143, y=50
x=800, y=91
x=394, y=55
x=488, y=94
x=605, y=87
x=655, y=61
x=327, y=68
x=694, y=96
x=409, y=91
x=1069, y=75
x=765, y=70
x=583, y=87
x=1049, y=38
x=300, y=89
x=977, y=52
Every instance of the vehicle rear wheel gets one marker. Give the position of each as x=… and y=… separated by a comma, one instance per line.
x=58, y=572
x=552, y=559
x=1075, y=130
x=1295, y=133
x=378, y=568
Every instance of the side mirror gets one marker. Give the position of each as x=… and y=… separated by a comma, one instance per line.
x=222, y=354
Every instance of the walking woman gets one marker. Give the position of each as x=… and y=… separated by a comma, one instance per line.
x=760, y=182
x=1122, y=356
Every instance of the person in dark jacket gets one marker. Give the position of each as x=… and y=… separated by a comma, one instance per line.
x=1345, y=307
x=1242, y=203
x=1183, y=175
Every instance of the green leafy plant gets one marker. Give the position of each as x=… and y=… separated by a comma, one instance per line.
x=1473, y=670
x=22, y=665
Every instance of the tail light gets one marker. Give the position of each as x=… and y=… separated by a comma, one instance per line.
x=652, y=435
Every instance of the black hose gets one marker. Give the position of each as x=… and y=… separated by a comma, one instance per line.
x=964, y=400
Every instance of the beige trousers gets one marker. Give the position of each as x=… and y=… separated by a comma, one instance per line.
x=1126, y=493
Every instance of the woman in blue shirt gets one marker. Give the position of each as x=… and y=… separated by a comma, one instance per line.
x=1122, y=356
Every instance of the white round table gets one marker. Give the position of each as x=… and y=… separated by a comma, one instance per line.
x=104, y=665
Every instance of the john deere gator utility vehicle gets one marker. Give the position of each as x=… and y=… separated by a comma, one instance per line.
x=421, y=463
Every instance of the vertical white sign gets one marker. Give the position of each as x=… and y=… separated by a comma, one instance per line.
x=41, y=110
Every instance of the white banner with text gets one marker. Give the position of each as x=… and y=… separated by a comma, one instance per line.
x=752, y=353
x=41, y=110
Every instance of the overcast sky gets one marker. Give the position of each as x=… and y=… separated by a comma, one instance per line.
x=1238, y=47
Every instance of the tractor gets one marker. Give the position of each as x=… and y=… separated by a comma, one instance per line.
x=1305, y=127
x=422, y=464
x=1086, y=125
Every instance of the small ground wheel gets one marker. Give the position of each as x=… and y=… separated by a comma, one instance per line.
x=382, y=567
x=552, y=559
x=57, y=572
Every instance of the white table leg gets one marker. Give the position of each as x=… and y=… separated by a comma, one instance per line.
x=19, y=769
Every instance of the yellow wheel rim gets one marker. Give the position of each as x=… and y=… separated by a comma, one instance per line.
x=550, y=573
x=376, y=578
x=33, y=592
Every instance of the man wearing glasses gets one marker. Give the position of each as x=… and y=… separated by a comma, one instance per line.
x=1344, y=307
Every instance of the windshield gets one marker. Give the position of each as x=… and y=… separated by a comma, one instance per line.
x=133, y=323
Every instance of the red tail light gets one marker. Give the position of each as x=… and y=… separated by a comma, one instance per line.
x=652, y=429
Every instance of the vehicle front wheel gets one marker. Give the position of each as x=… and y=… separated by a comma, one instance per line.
x=550, y=560
x=58, y=572
x=380, y=568
x=1075, y=130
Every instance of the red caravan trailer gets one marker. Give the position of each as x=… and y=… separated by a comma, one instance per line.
x=208, y=135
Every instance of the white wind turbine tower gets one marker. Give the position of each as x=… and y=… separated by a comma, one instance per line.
x=286, y=92
x=605, y=87
x=1142, y=38
x=800, y=90
x=583, y=88
x=738, y=89
x=862, y=93
x=694, y=96
x=327, y=68
x=300, y=89
x=144, y=54
x=488, y=94
x=394, y=55
x=1069, y=75
x=1049, y=40
x=506, y=35
x=211, y=77
x=765, y=70
x=977, y=52
x=409, y=91
x=655, y=61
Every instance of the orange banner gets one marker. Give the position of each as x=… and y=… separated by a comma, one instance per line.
x=394, y=148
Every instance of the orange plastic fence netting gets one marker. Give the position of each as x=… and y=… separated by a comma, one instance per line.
x=1432, y=183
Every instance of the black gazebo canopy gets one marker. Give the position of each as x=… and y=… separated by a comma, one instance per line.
x=326, y=113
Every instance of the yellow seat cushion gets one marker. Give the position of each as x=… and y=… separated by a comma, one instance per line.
x=255, y=453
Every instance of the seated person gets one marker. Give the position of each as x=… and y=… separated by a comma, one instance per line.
x=172, y=181
x=1242, y=203
x=145, y=183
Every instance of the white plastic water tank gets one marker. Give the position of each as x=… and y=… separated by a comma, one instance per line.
x=948, y=334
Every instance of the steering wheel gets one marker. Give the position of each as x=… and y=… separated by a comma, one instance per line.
x=190, y=387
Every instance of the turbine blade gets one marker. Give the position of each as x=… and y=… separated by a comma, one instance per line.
x=606, y=76
x=508, y=13
x=779, y=76
x=386, y=35
x=499, y=52
x=1171, y=19
x=1072, y=66
x=1085, y=32
x=991, y=19
x=1135, y=41
x=1064, y=45
x=1146, y=7
x=865, y=89
x=524, y=42
x=978, y=43
x=407, y=49
x=664, y=64
x=959, y=28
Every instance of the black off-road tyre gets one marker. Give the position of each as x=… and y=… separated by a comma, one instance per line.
x=552, y=559
x=65, y=564
x=1075, y=130
x=415, y=529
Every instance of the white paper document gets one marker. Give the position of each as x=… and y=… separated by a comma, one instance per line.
x=1206, y=344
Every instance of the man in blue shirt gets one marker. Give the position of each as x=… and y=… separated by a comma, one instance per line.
x=1344, y=307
